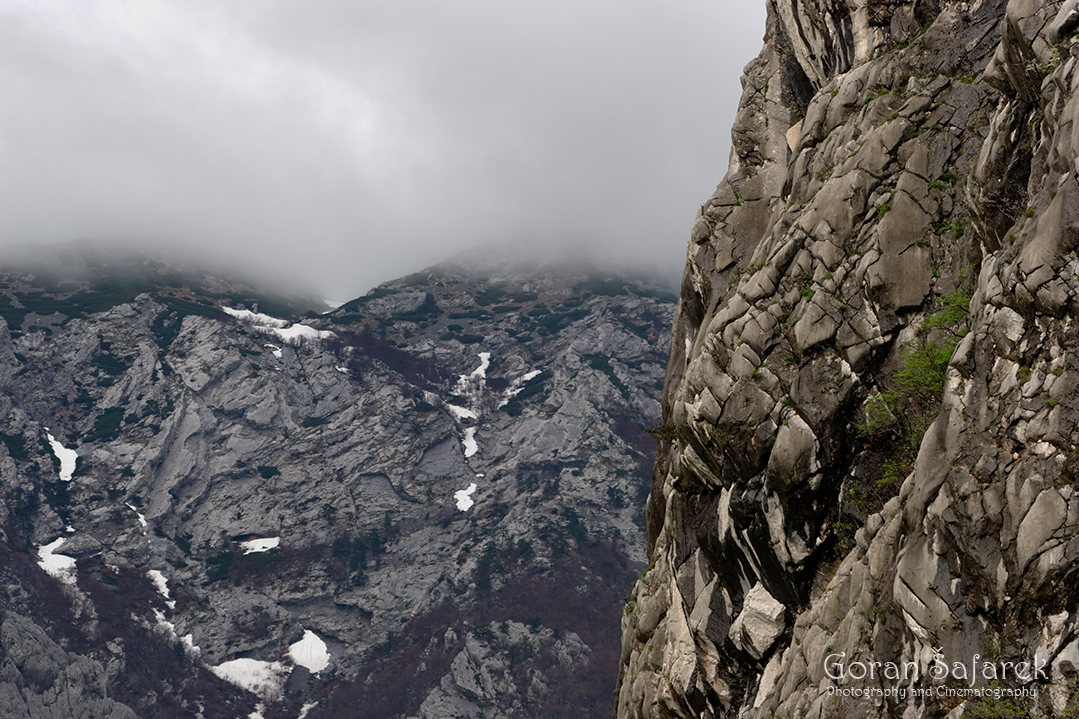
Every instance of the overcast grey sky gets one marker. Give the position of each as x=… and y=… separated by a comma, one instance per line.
x=348, y=142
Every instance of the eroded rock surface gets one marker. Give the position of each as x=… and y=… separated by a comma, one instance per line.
x=42, y=681
x=870, y=408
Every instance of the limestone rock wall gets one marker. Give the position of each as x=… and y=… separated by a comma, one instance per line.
x=869, y=414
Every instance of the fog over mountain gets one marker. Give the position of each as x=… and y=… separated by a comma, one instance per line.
x=343, y=143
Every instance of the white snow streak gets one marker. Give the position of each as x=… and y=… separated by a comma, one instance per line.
x=516, y=386
x=142, y=519
x=56, y=565
x=189, y=644
x=468, y=384
x=275, y=349
x=476, y=378
x=464, y=497
x=485, y=362
x=163, y=623
x=66, y=456
x=290, y=333
x=169, y=628
x=253, y=546
x=469, y=442
x=310, y=652
x=162, y=585
x=471, y=387
x=256, y=318
x=295, y=333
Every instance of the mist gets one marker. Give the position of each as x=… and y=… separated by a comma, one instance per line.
x=336, y=145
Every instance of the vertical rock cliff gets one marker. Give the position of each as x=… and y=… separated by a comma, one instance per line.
x=864, y=498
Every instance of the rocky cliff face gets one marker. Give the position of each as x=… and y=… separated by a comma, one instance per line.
x=426, y=503
x=865, y=496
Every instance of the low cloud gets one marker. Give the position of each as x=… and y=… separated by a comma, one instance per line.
x=344, y=144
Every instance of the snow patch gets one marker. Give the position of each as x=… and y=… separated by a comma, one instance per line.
x=485, y=362
x=517, y=385
x=342, y=370
x=291, y=333
x=469, y=442
x=275, y=350
x=257, y=714
x=472, y=388
x=253, y=546
x=310, y=652
x=162, y=585
x=460, y=413
x=164, y=624
x=187, y=641
x=142, y=519
x=469, y=385
x=256, y=318
x=59, y=566
x=263, y=678
x=66, y=456
x=305, y=709
x=463, y=497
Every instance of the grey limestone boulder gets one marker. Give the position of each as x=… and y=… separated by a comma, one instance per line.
x=759, y=624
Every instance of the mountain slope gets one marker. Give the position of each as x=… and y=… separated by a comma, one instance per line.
x=426, y=503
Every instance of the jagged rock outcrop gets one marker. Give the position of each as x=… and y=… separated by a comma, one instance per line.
x=329, y=517
x=39, y=680
x=870, y=410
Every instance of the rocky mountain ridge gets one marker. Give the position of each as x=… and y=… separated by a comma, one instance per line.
x=865, y=488
x=427, y=502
